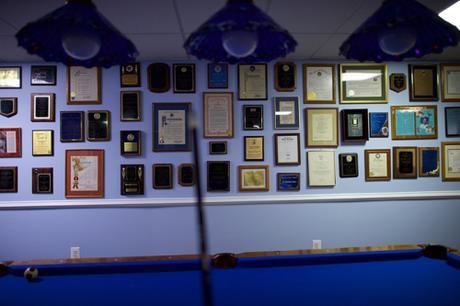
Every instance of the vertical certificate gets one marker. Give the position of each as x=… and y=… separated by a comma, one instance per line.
x=322, y=127
x=84, y=85
x=171, y=127
x=252, y=82
x=319, y=83
x=218, y=114
x=286, y=113
x=377, y=163
x=450, y=161
x=450, y=78
x=84, y=175
x=253, y=148
x=321, y=168
x=287, y=149
x=10, y=142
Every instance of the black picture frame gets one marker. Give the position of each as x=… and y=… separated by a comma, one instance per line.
x=288, y=181
x=42, y=180
x=72, y=124
x=130, y=142
x=217, y=147
x=186, y=175
x=162, y=176
x=348, y=163
x=184, y=78
x=452, y=121
x=130, y=106
x=8, y=179
x=98, y=125
x=253, y=117
x=218, y=176
x=41, y=75
x=132, y=179
x=355, y=125
x=159, y=77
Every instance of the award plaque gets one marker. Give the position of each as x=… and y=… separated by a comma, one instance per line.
x=378, y=124
x=348, y=164
x=285, y=76
x=84, y=173
x=130, y=142
x=130, y=106
x=319, y=83
x=450, y=80
x=398, y=82
x=428, y=161
x=171, y=130
x=252, y=82
x=354, y=125
x=130, y=75
x=42, y=107
x=253, y=148
x=218, y=176
x=322, y=127
x=218, y=114
x=288, y=181
x=43, y=75
x=8, y=107
x=186, y=175
x=8, y=179
x=98, y=124
x=287, y=149
x=42, y=142
x=72, y=126
x=405, y=162
x=132, y=179
x=217, y=147
x=10, y=77
x=414, y=122
x=286, y=113
x=10, y=142
x=162, y=176
x=377, y=165
x=159, y=77
x=42, y=180
x=217, y=75
x=452, y=120
x=423, y=79
x=254, y=178
x=321, y=168
x=83, y=85
x=450, y=161
x=253, y=117
x=184, y=78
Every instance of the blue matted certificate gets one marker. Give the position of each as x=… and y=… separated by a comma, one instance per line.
x=379, y=124
x=171, y=130
x=405, y=123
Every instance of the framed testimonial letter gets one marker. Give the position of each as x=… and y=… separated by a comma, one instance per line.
x=254, y=178
x=130, y=106
x=319, y=83
x=428, y=161
x=287, y=149
x=450, y=82
x=322, y=127
x=285, y=76
x=42, y=107
x=405, y=162
x=377, y=164
x=286, y=113
x=253, y=148
x=321, y=168
x=423, y=81
x=83, y=85
x=8, y=179
x=171, y=127
x=450, y=161
x=452, y=120
x=414, y=122
x=72, y=126
x=42, y=142
x=363, y=83
x=218, y=114
x=354, y=125
x=10, y=142
x=84, y=173
x=252, y=81
x=42, y=180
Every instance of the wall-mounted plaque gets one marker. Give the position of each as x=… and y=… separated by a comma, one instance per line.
x=321, y=168
x=428, y=161
x=217, y=75
x=42, y=180
x=253, y=148
x=319, y=83
x=286, y=113
x=348, y=165
x=159, y=77
x=287, y=149
x=218, y=114
x=8, y=179
x=72, y=126
x=42, y=107
x=285, y=76
x=186, y=175
x=10, y=77
x=253, y=117
x=450, y=161
x=162, y=176
x=98, y=124
x=84, y=173
x=171, y=130
x=132, y=179
x=10, y=142
x=288, y=181
x=42, y=142
x=42, y=75
x=322, y=127
x=254, y=178
x=130, y=75
x=405, y=162
x=354, y=125
x=217, y=147
x=450, y=80
x=423, y=79
x=414, y=122
x=83, y=85
x=252, y=81
x=398, y=82
x=452, y=120
x=377, y=164
x=184, y=78
x=130, y=142
x=130, y=106
x=218, y=176
x=8, y=107
x=378, y=124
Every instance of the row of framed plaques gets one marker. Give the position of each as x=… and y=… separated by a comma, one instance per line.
x=72, y=124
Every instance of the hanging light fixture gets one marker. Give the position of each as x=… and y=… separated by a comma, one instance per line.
x=240, y=33
x=400, y=29
x=77, y=34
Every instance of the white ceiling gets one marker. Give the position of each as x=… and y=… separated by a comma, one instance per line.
x=159, y=27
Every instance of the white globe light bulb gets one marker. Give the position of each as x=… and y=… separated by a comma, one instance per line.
x=81, y=44
x=397, y=40
x=240, y=43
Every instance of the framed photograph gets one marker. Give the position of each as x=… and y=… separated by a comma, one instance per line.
x=42, y=142
x=450, y=82
x=98, y=125
x=428, y=161
x=162, y=176
x=10, y=77
x=254, y=178
x=287, y=149
x=8, y=107
x=218, y=176
x=184, y=78
x=286, y=113
x=130, y=106
x=404, y=162
x=452, y=120
x=423, y=79
x=159, y=77
x=348, y=165
x=42, y=107
x=322, y=127
x=217, y=147
x=319, y=83
x=285, y=76
x=253, y=148
x=398, y=82
x=450, y=152
x=130, y=75
x=84, y=173
x=43, y=75
x=377, y=165
x=378, y=123
x=186, y=175
x=10, y=142
x=218, y=114
x=132, y=179
x=171, y=127
x=42, y=180
x=252, y=82
x=72, y=126
x=414, y=122
x=321, y=168
x=217, y=75
x=83, y=85
x=288, y=181
x=354, y=125
x=130, y=142
x=8, y=179
x=253, y=117
x=363, y=83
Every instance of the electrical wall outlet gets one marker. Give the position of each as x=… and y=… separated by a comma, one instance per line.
x=74, y=252
x=317, y=244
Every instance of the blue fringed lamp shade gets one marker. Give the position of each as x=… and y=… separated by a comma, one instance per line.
x=240, y=22
x=77, y=34
x=400, y=29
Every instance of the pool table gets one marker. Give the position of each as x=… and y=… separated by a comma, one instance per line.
x=394, y=275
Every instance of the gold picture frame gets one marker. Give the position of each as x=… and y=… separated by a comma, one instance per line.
x=254, y=178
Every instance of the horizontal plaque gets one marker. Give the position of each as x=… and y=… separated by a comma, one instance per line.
x=288, y=181
x=42, y=75
x=10, y=77
x=254, y=178
x=217, y=147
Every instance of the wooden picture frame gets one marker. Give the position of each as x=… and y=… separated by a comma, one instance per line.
x=8, y=179
x=42, y=142
x=319, y=84
x=285, y=76
x=355, y=125
x=377, y=164
x=288, y=181
x=428, y=162
x=41, y=75
x=83, y=85
x=321, y=126
x=72, y=125
x=186, y=175
x=414, y=122
x=287, y=149
x=162, y=176
x=43, y=107
x=252, y=82
x=98, y=125
x=184, y=78
x=8, y=106
x=217, y=75
x=286, y=113
x=321, y=168
x=132, y=179
x=404, y=162
x=379, y=124
x=254, y=148
x=253, y=117
x=159, y=77
x=10, y=142
x=130, y=106
x=84, y=173
x=450, y=152
x=452, y=121
x=218, y=176
x=217, y=147
x=348, y=165
x=42, y=180
x=130, y=142
x=10, y=77
x=450, y=87
x=423, y=80
x=217, y=114
x=253, y=178
x=130, y=75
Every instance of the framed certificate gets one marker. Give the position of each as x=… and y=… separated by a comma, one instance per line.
x=354, y=125
x=378, y=123
x=348, y=165
x=10, y=77
x=428, y=161
x=423, y=79
x=252, y=82
x=450, y=161
x=450, y=82
x=288, y=181
x=186, y=175
x=98, y=125
x=83, y=85
x=398, y=82
x=184, y=78
x=218, y=176
x=130, y=142
x=217, y=147
x=253, y=117
x=254, y=178
x=130, y=75
x=319, y=83
x=253, y=148
x=84, y=173
x=42, y=75
x=217, y=75
x=321, y=168
x=405, y=162
x=363, y=83
x=72, y=126
x=218, y=114
x=452, y=120
x=159, y=77
x=286, y=113
x=162, y=176
x=171, y=127
x=287, y=149
x=42, y=142
x=8, y=179
x=285, y=76
x=132, y=179
x=130, y=106
x=42, y=180
x=322, y=127
x=10, y=142
x=377, y=164
x=42, y=107
x=8, y=107
x=414, y=122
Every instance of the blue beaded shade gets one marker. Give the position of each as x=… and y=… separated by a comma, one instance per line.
x=430, y=33
x=240, y=15
x=44, y=36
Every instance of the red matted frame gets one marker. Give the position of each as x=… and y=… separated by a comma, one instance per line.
x=208, y=99
x=4, y=142
x=70, y=180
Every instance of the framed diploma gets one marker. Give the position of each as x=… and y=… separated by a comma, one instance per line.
x=377, y=165
x=253, y=117
x=285, y=76
x=8, y=179
x=363, y=83
x=450, y=161
x=130, y=106
x=83, y=85
x=217, y=75
x=319, y=83
x=322, y=127
x=321, y=168
x=398, y=82
x=8, y=107
x=218, y=114
x=428, y=161
x=254, y=178
x=42, y=142
x=218, y=176
x=186, y=175
x=405, y=162
x=132, y=179
x=72, y=126
x=10, y=77
x=171, y=127
x=98, y=125
x=287, y=149
x=159, y=77
x=217, y=147
x=354, y=125
x=348, y=165
x=423, y=79
x=130, y=75
x=42, y=107
x=286, y=113
x=130, y=142
x=162, y=176
x=452, y=120
x=252, y=82
x=378, y=124
x=288, y=181
x=450, y=82
x=184, y=78
x=414, y=122
x=10, y=142
x=42, y=180
x=253, y=148
x=84, y=173
x=43, y=75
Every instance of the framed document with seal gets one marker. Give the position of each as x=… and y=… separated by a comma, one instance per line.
x=363, y=83
x=171, y=127
x=42, y=107
x=218, y=114
x=378, y=123
x=217, y=75
x=348, y=165
x=398, y=82
x=159, y=77
x=423, y=79
x=10, y=77
x=254, y=178
x=10, y=142
x=253, y=148
x=217, y=147
x=321, y=168
x=405, y=162
x=428, y=161
x=414, y=122
x=42, y=142
x=354, y=125
x=218, y=176
x=42, y=75
x=84, y=173
x=98, y=125
x=450, y=82
x=252, y=81
x=130, y=142
x=288, y=181
x=162, y=176
x=450, y=160
x=286, y=113
x=253, y=117
x=130, y=75
x=72, y=126
x=285, y=76
x=132, y=179
x=452, y=120
x=319, y=83
x=42, y=180
x=184, y=78
x=83, y=85
x=377, y=165
x=8, y=107
x=287, y=149
x=130, y=106
x=186, y=174
x=8, y=179
x=322, y=127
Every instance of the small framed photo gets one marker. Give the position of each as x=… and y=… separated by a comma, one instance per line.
x=253, y=117
x=423, y=79
x=285, y=76
x=8, y=107
x=217, y=75
x=218, y=114
x=288, y=181
x=321, y=168
x=452, y=120
x=132, y=179
x=414, y=122
x=130, y=75
x=377, y=165
x=378, y=123
x=159, y=77
x=186, y=175
x=217, y=147
x=162, y=176
x=450, y=152
x=254, y=178
x=252, y=82
x=354, y=125
x=348, y=165
x=10, y=142
x=72, y=126
x=286, y=113
x=8, y=179
x=428, y=161
x=130, y=106
x=42, y=180
x=83, y=85
x=42, y=142
x=84, y=173
x=287, y=149
x=42, y=107
x=42, y=75
x=184, y=78
x=450, y=82
x=253, y=148
x=10, y=77
x=405, y=162
x=218, y=176
x=98, y=125
x=130, y=143
x=321, y=127
x=319, y=83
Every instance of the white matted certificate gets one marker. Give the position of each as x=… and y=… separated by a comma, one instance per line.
x=171, y=127
x=450, y=78
x=287, y=149
x=319, y=83
x=84, y=85
x=321, y=168
x=252, y=82
x=218, y=114
x=377, y=163
x=322, y=127
x=451, y=161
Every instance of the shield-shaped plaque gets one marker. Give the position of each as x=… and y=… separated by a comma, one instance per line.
x=8, y=106
x=397, y=82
